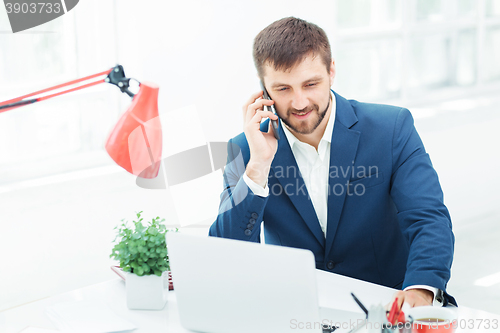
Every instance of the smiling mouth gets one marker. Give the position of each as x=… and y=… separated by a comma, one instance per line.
x=301, y=114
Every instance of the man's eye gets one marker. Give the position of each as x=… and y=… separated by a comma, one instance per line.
x=311, y=84
x=282, y=89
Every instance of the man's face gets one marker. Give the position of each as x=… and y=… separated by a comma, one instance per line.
x=301, y=94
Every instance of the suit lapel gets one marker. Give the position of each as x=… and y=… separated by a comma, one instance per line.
x=342, y=155
x=286, y=171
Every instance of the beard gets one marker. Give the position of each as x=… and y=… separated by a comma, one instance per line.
x=309, y=126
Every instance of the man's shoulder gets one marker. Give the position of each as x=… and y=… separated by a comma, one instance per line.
x=363, y=109
x=380, y=115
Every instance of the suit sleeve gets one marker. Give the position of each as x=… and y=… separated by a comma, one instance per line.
x=422, y=215
x=240, y=210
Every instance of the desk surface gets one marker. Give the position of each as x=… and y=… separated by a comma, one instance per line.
x=334, y=292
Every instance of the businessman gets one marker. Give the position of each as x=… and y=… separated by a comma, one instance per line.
x=349, y=181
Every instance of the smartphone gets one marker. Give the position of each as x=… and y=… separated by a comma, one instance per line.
x=271, y=108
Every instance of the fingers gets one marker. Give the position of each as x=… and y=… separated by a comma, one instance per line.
x=400, y=295
x=262, y=145
x=257, y=107
x=254, y=122
x=419, y=297
x=252, y=99
x=254, y=104
x=412, y=297
x=401, y=298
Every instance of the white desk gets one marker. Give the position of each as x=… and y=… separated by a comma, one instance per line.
x=334, y=292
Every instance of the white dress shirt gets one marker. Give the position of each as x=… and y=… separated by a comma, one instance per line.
x=314, y=167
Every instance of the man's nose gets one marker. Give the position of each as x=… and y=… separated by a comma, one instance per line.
x=300, y=100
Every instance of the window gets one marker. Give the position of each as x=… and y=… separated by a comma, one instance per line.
x=68, y=132
x=396, y=51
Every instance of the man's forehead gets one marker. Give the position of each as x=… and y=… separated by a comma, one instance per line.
x=308, y=69
x=270, y=65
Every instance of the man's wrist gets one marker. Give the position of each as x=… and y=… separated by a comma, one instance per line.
x=256, y=188
x=434, y=293
x=258, y=172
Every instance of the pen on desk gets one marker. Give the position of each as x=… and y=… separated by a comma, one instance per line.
x=360, y=304
x=392, y=314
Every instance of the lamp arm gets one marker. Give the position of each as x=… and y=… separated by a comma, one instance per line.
x=6, y=107
x=115, y=75
x=138, y=153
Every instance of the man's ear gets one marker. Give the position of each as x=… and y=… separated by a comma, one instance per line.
x=332, y=72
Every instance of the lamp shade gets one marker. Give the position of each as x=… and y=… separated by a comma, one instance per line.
x=135, y=143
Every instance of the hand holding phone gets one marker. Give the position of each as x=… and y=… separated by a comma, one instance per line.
x=263, y=145
x=274, y=123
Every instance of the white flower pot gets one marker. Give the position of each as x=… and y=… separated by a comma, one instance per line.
x=145, y=292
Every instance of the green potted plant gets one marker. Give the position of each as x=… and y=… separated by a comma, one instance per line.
x=142, y=253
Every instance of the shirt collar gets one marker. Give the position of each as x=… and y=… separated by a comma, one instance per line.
x=327, y=135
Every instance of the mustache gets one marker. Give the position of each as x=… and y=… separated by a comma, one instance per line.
x=308, y=108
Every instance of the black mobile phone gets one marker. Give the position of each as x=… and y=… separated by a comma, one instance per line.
x=274, y=123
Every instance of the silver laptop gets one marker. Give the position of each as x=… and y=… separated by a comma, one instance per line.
x=224, y=285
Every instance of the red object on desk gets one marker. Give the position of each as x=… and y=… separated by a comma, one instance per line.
x=401, y=317
x=170, y=281
x=121, y=274
x=391, y=317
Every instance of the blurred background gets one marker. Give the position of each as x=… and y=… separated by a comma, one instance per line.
x=61, y=195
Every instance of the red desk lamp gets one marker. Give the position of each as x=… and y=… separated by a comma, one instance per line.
x=135, y=143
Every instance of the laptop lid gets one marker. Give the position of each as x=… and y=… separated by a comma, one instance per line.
x=225, y=285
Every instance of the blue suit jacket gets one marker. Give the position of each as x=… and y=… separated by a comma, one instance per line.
x=387, y=222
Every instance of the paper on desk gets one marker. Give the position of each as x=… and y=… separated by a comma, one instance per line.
x=336, y=292
x=86, y=316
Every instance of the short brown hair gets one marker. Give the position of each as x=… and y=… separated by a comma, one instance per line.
x=288, y=41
